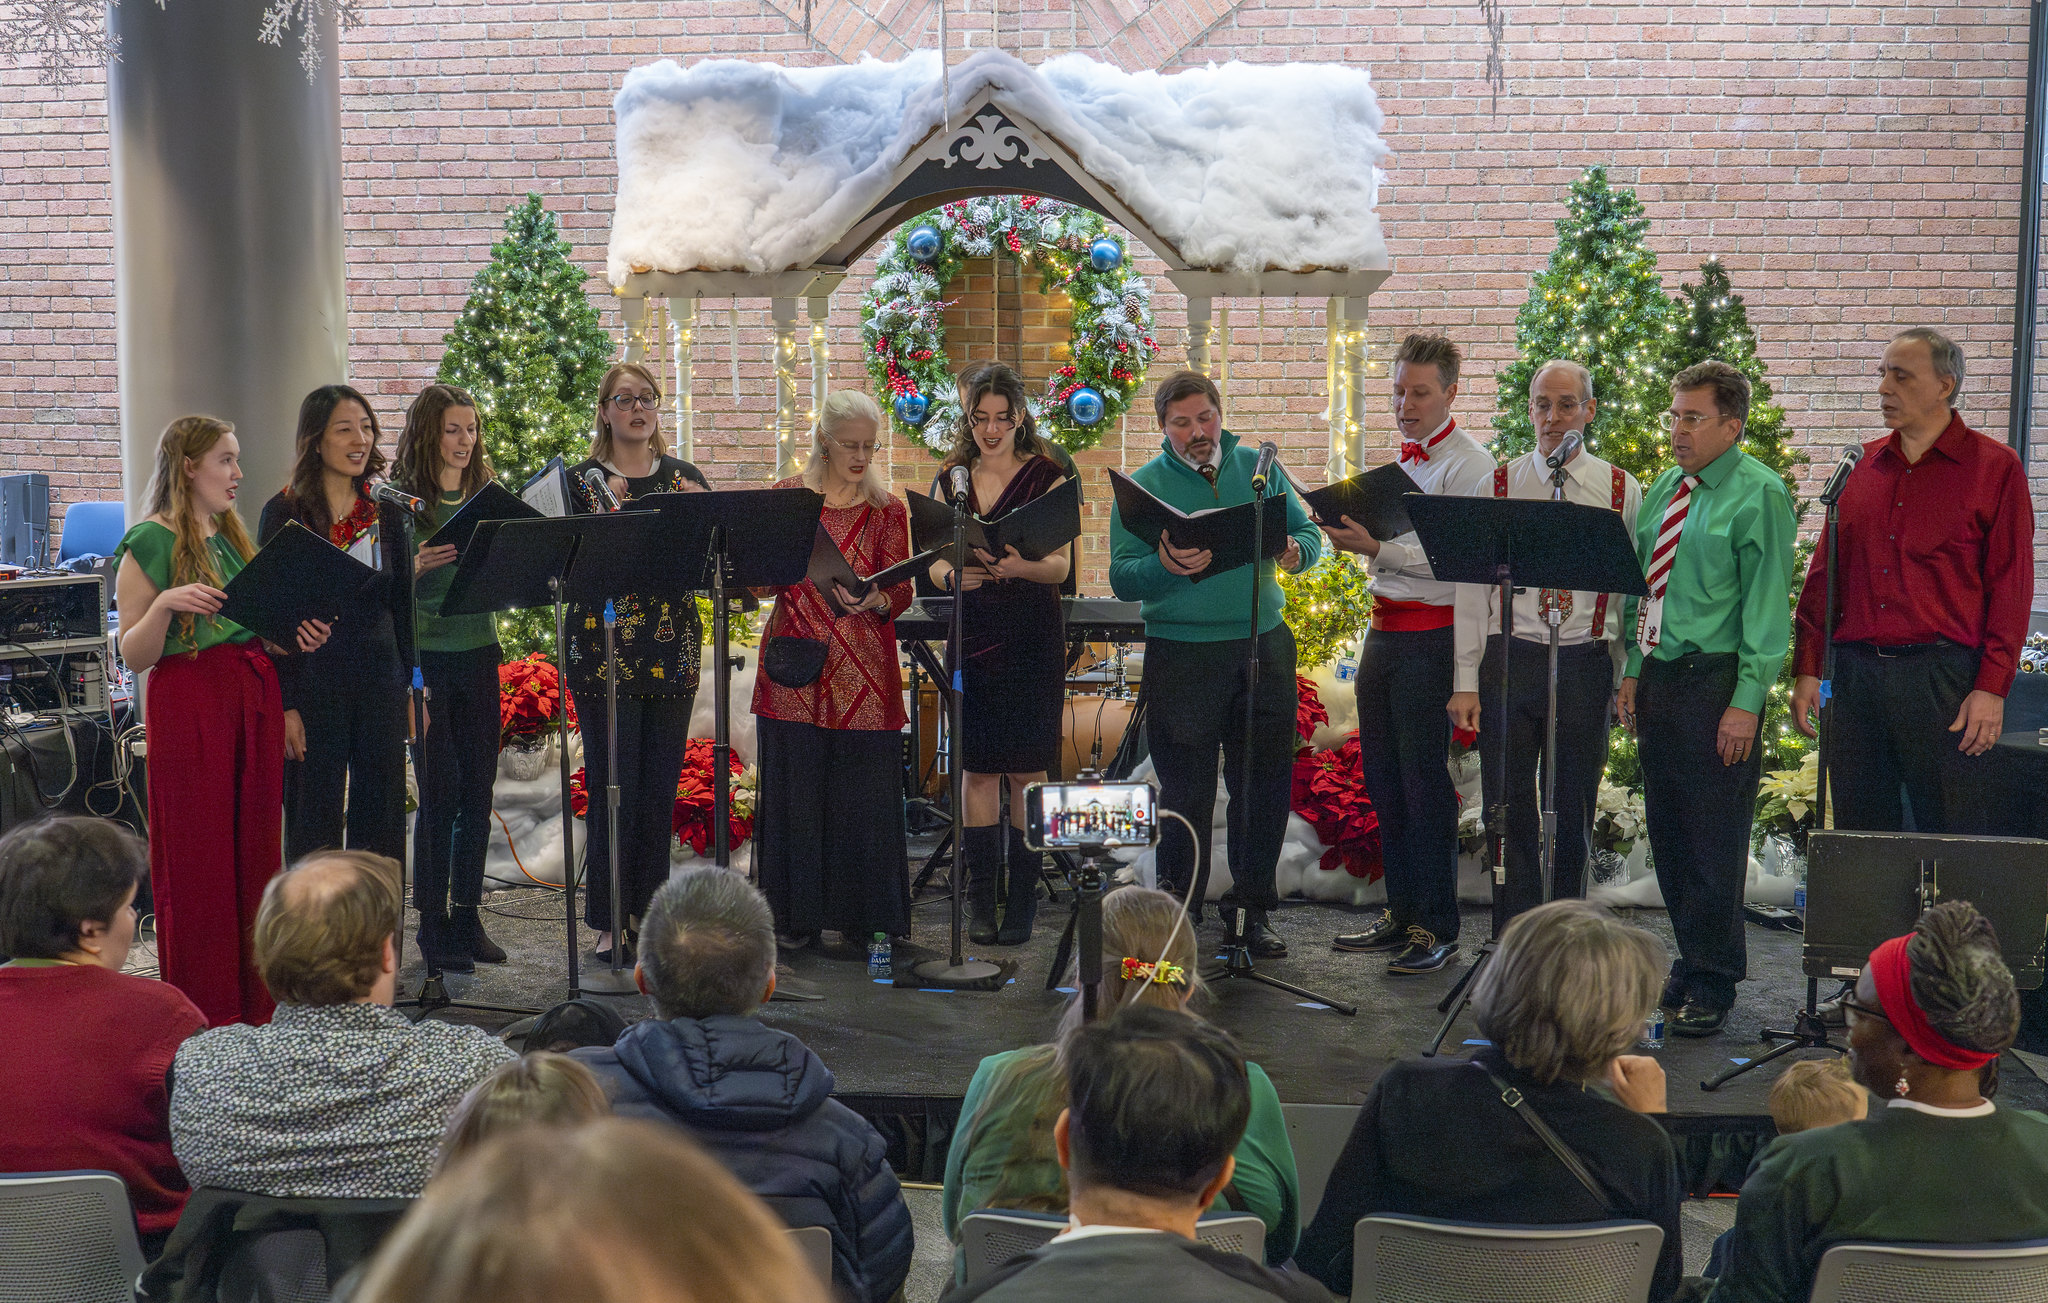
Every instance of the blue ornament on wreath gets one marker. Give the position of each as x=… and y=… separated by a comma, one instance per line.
x=923, y=244
x=911, y=409
x=1105, y=255
x=1085, y=405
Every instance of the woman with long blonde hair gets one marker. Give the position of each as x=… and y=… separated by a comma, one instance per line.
x=214, y=717
x=1002, y=1153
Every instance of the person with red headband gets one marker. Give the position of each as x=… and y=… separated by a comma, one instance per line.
x=1939, y=1164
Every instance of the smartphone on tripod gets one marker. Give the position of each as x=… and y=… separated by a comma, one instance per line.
x=1090, y=813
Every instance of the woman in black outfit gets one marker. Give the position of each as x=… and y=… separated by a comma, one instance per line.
x=657, y=643
x=1565, y=995
x=344, y=779
x=441, y=461
x=1014, y=647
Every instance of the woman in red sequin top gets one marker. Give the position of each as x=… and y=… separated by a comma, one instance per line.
x=829, y=843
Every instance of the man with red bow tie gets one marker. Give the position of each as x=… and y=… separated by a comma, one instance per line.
x=1405, y=671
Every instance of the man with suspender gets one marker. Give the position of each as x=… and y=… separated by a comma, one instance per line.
x=1589, y=656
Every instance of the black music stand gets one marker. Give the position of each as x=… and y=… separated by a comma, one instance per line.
x=1510, y=543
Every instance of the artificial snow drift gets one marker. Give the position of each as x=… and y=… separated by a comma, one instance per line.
x=738, y=166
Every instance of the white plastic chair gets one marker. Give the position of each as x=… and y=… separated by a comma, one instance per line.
x=990, y=1239
x=1427, y=1260
x=1318, y=1133
x=67, y=1237
x=1932, y=1273
x=814, y=1245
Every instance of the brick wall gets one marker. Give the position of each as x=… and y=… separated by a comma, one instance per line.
x=1856, y=166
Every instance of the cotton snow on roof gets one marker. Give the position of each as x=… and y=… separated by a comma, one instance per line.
x=737, y=166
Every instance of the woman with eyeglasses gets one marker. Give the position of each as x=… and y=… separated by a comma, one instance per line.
x=1013, y=668
x=829, y=848
x=656, y=647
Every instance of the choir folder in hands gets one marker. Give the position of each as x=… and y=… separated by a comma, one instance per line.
x=829, y=565
x=491, y=502
x=1374, y=499
x=296, y=576
x=1037, y=529
x=1224, y=532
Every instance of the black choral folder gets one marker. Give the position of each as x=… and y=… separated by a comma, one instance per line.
x=1372, y=498
x=1224, y=532
x=296, y=576
x=491, y=502
x=1037, y=529
x=829, y=564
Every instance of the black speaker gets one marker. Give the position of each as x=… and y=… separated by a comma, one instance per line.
x=1863, y=888
x=24, y=519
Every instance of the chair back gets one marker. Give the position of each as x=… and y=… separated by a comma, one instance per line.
x=1427, y=1260
x=1318, y=1133
x=92, y=529
x=993, y=1238
x=288, y=1266
x=1931, y=1273
x=67, y=1237
x=814, y=1246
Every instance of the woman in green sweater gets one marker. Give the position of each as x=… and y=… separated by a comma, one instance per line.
x=1002, y=1152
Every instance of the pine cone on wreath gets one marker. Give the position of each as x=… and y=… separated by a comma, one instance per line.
x=1134, y=309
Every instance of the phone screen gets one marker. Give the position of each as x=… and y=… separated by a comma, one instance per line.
x=1064, y=816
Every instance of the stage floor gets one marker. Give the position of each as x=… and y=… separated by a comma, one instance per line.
x=883, y=1040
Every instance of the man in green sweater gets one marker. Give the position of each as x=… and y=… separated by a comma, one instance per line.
x=1196, y=658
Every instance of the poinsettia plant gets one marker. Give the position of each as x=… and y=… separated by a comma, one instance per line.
x=1329, y=792
x=529, y=692
x=690, y=819
x=1310, y=713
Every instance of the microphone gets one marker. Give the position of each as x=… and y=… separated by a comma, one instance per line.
x=1567, y=448
x=1831, y=493
x=1261, y=469
x=397, y=497
x=957, y=480
x=594, y=477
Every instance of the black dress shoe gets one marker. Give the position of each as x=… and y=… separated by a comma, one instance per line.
x=1260, y=938
x=1382, y=934
x=1673, y=997
x=1696, y=1020
x=1423, y=954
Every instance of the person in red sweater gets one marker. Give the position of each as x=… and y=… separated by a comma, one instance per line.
x=88, y=1045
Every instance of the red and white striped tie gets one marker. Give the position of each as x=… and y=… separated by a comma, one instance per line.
x=1650, y=624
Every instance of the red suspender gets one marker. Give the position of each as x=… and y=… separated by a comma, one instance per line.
x=1616, y=500
x=1500, y=481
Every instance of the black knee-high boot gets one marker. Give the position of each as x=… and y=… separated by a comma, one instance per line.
x=1020, y=901
x=981, y=858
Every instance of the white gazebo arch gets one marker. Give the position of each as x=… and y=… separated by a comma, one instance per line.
x=754, y=181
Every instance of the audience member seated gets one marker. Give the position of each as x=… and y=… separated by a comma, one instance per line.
x=1807, y=1096
x=614, y=1211
x=1939, y=1164
x=1002, y=1152
x=88, y=1046
x=751, y=1094
x=1156, y=1103
x=339, y=1096
x=535, y=1090
x=1563, y=996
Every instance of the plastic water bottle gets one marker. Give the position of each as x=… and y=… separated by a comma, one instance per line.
x=1653, y=1038
x=879, y=963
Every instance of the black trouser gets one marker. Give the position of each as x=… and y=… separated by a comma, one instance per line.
x=457, y=763
x=652, y=733
x=1699, y=813
x=350, y=789
x=1404, y=745
x=1890, y=716
x=1194, y=703
x=1585, y=694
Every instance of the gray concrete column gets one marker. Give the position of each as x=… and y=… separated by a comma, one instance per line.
x=228, y=284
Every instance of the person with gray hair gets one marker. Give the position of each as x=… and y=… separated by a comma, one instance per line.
x=1934, y=583
x=1589, y=655
x=1939, y=1163
x=753, y=1095
x=1560, y=1004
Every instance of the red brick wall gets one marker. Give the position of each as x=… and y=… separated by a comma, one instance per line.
x=1856, y=166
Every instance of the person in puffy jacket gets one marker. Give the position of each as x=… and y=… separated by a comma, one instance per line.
x=754, y=1096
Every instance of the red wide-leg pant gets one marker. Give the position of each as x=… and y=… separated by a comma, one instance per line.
x=216, y=821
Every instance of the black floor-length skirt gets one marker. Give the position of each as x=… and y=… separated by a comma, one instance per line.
x=829, y=847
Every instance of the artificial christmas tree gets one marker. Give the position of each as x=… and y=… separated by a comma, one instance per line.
x=1600, y=303
x=1712, y=323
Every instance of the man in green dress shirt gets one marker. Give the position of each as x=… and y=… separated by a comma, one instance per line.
x=1715, y=538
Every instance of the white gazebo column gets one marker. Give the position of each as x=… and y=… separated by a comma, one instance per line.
x=1201, y=315
x=228, y=282
x=788, y=454
x=1355, y=356
x=818, y=308
x=682, y=390
x=633, y=314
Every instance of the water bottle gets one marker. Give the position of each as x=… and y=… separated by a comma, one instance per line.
x=1654, y=1032
x=879, y=964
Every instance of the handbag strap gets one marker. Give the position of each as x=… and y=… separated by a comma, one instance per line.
x=1514, y=1099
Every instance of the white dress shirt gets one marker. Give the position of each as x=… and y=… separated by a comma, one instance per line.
x=1457, y=467
x=1588, y=481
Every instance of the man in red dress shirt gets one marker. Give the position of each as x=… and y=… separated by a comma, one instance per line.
x=1933, y=581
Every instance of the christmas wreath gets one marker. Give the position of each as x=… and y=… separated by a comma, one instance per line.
x=691, y=818
x=903, y=315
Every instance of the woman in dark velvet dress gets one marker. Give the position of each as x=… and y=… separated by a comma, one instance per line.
x=1014, y=668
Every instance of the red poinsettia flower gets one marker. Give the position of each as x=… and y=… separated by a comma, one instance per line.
x=1309, y=711
x=529, y=691
x=690, y=819
x=1329, y=792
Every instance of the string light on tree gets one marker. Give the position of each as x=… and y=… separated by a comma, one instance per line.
x=1712, y=323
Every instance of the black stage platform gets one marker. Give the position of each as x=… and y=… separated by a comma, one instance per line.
x=904, y=1055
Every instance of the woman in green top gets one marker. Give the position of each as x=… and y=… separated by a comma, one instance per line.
x=441, y=461
x=1002, y=1151
x=214, y=718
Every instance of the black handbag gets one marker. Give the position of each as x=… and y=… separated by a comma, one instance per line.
x=793, y=662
